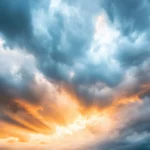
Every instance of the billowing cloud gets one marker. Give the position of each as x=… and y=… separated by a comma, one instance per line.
x=69, y=67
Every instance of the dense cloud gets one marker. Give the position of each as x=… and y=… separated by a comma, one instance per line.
x=131, y=16
x=100, y=49
x=134, y=134
x=15, y=20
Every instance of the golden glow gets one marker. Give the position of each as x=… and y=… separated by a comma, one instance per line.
x=59, y=118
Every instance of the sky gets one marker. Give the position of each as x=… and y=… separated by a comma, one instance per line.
x=74, y=74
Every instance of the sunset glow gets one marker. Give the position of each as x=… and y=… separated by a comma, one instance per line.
x=74, y=75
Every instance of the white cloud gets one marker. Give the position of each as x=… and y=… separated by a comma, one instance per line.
x=12, y=61
x=105, y=40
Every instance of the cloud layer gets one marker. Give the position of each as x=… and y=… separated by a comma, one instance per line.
x=97, y=53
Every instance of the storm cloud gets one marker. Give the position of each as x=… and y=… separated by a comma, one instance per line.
x=99, y=51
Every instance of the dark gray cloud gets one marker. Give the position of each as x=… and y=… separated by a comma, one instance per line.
x=132, y=20
x=133, y=54
x=131, y=16
x=123, y=145
x=135, y=133
x=61, y=35
x=60, y=45
x=15, y=20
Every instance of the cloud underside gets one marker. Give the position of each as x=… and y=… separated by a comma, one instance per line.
x=76, y=56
